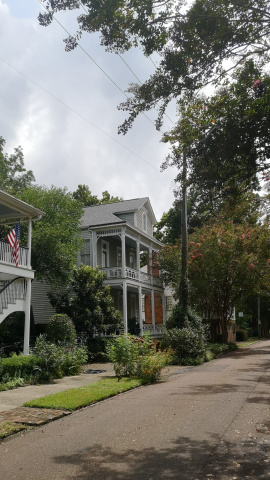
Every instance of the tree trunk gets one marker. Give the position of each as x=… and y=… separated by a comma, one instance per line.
x=184, y=276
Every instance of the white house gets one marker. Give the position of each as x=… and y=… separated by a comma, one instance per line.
x=15, y=281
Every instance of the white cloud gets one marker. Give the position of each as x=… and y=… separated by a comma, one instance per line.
x=59, y=146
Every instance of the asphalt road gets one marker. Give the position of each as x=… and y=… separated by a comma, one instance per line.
x=208, y=423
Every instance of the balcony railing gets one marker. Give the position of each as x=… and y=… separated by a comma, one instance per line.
x=116, y=272
x=6, y=255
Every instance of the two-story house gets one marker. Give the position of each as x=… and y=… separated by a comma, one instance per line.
x=118, y=238
x=15, y=280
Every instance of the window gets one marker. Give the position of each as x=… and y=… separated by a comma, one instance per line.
x=144, y=222
x=105, y=254
x=169, y=303
x=85, y=252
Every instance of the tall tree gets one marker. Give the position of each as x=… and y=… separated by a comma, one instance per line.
x=87, y=301
x=84, y=195
x=56, y=237
x=226, y=262
x=193, y=40
x=14, y=177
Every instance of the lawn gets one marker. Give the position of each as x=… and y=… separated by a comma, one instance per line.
x=7, y=428
x=76, y=398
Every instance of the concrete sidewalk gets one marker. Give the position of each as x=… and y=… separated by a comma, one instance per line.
x=91, y=373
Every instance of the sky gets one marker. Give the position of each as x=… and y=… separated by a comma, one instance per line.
x=62, y=109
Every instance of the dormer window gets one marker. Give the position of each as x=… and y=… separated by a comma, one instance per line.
x=144, y=222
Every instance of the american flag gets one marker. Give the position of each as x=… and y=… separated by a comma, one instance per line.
x=13, y=238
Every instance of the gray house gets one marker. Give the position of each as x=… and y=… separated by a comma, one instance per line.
x=118, y=238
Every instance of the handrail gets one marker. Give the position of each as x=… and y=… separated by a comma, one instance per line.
x=14, y=290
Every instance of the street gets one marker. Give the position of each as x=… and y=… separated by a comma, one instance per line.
x=207, y=422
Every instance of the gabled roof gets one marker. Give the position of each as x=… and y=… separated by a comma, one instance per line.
x=11, y=208
x=107, y=214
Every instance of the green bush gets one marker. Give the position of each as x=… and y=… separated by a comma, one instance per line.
x=55, y=361
x=137, y=357
x=17, y=366
x=241, y=335
x=186, y=343
x=60, y=330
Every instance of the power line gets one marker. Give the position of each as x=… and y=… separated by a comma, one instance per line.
x=83, y=117
x=91, y=58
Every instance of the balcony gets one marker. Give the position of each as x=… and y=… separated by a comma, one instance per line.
x=6, y=255
x=130, y=273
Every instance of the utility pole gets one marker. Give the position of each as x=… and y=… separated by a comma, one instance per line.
x=184, y=275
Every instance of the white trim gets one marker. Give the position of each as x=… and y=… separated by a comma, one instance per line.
x=105, y=259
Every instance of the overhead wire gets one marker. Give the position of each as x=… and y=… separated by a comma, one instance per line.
x=83, y=117
x=91, y=58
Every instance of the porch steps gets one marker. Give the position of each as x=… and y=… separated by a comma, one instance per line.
x=10, y=294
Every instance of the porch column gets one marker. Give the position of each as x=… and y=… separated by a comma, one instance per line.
x=29, y=242
x=27, y=318
x=94, y=249
x=153, y=309
x=150, y=266
x=123, y=245
x=138, y=258
x=125, y=319
x=140, y=310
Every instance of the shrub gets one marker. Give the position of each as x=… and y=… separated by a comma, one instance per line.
x=60, y=330
x=241, y=335
x=137, y=357
x=55, y=361
x=186, y=342
x=17, y=366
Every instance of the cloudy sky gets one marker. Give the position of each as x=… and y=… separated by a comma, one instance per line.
x=62, y=109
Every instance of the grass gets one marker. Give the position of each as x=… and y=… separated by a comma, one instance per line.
x=248, y=342
x=8, y=428
x=75, y=398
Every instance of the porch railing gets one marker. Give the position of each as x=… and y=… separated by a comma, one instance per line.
x=6, y=255
x=116, y=272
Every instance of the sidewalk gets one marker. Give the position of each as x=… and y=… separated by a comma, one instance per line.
x=92, y=373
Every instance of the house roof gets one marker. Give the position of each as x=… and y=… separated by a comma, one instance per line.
x=11, y=208
x=107, y=214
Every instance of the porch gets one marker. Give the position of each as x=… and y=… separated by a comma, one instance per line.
x=130, y=273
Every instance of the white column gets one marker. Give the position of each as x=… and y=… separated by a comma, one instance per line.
x=94, y=251
x=27, y=318
x=138, y=258
x=140, y=309
x=29, y=242
x=150, y=266
x=153, y=309
x=123, y=242
x=125, y=319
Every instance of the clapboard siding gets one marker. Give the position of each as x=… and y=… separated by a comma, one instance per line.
x=127, y=217
x=42, y=309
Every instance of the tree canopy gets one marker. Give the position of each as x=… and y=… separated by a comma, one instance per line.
x=87, y=301
x=85, y=196
x=194, y=40
x=56, y=237
x=14, y=177
x=225, y=262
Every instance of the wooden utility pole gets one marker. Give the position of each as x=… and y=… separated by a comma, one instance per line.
x=184, y=264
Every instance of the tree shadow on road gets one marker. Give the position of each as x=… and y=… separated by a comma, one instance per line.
x=184, y=460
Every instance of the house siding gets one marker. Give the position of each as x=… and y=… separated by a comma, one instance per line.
x=85, y=254
x=139, y=221
x=127, y=217
x=42, y=309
